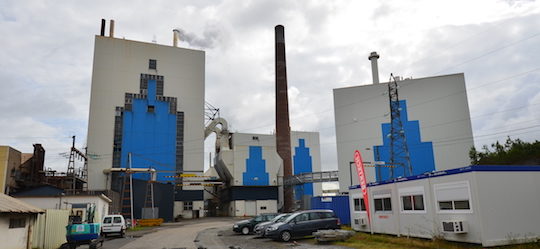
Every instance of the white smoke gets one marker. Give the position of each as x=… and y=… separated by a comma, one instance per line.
x=209, y=38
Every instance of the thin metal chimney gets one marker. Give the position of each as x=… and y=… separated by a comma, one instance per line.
x=102, y=33
x=374, y=67
x=111, y=29
x=283, y=129
x=176, y=37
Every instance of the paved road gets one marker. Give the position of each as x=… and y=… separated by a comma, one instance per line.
x=224, y=238
x=176, y=237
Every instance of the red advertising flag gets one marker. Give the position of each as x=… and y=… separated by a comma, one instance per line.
x=362, y=179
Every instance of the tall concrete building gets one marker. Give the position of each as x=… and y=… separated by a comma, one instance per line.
x=146, y=111
x=435, y=118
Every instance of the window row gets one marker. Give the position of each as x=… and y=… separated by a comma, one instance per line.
x=449, y=197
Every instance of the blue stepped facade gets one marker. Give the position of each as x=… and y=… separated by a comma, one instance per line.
x=255, y=174
x=149, y=133
x=420, y=153
x=303, y=163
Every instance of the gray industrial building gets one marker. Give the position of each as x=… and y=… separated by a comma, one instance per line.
x=486, y=204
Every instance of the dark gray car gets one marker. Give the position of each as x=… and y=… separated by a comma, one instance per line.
x=303, y=223
x=260, y=228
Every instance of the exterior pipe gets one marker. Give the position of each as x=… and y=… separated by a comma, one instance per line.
x=374, y=67
x=102, y=33
x=111, y=29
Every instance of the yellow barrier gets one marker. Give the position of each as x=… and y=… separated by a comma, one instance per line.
x=149, y=222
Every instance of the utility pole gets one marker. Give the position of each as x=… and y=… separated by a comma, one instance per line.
x=399, y=151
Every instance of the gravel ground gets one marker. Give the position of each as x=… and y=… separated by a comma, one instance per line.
x=225, y=238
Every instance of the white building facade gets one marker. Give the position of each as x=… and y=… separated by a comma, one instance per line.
x=146, y=111
x=436, y=122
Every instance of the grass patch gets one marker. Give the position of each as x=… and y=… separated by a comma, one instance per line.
x=383, y=241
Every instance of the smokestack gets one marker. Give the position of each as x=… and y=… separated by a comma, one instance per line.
x=283, y=129
x=102, y=27
x=176, y=37
x=111, y=29
x=374, y=67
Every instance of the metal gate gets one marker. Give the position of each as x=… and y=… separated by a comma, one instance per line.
x=251, y=208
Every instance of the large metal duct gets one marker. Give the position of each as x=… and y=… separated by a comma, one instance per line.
x=283, y=129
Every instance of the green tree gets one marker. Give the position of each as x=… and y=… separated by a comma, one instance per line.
x=511, y=152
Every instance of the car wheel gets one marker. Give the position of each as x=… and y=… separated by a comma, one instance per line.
x=285, y=236
x=123, y=233
x=245, y=230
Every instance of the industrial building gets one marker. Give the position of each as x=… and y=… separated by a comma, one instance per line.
x=435, y=119
x=484, y=204
x=146, y=112
x=253, y=176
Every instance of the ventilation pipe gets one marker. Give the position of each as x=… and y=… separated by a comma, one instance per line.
x=176, y=37
x=374, y=67
x=111, y=29
x=102, y=33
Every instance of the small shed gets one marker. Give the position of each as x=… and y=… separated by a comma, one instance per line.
x=339, y=204
x=16, y=222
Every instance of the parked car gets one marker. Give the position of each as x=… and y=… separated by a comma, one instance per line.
x=246, y=226
x=260, y=228
x=114, y=223
x=303, y=223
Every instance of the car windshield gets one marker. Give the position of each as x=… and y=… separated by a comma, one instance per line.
x=280, y=218
x=117, y=220
x=107, y=220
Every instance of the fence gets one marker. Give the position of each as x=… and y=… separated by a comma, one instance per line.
x=50, y=229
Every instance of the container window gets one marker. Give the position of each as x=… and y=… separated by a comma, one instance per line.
x=407, y=202
x=418, y=201
x=383, y=204
x=359, y=204
x=453, y=197
x=461, y=205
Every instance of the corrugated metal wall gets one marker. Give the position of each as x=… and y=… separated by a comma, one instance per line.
x=50, y=229
x=339, y=204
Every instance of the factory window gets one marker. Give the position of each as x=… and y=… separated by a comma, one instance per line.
x=383, y=203
x=359, y=204
x=188, y=205
x=151, y=108
x=152, y=64
x=263, y=207
x=453, y=197
x=17, y=222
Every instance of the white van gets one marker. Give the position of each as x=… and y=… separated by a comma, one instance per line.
x=113, y=223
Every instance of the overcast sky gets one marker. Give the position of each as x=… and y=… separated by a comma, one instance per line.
x=46, y=52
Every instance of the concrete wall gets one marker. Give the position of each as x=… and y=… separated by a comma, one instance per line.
x=436, y=105
x=14, y=238
x=117, y=68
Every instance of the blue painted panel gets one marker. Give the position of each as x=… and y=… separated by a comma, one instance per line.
x=338, y=204
x=150, y=136
x=303, y=163
x=420, y=153
x=255, y=174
